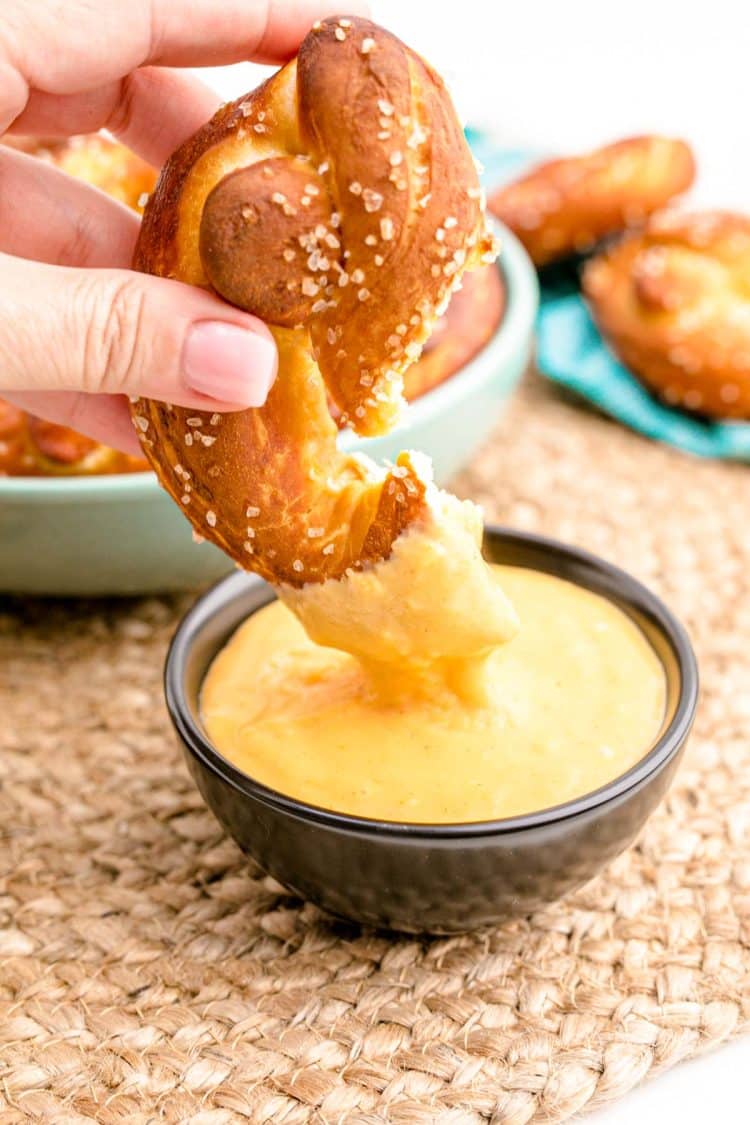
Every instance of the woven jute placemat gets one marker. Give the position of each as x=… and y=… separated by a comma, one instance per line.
x=148, y=972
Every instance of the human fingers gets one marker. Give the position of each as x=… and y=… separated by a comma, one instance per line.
x=152, y=111
x=50, y=217
x=98, y=43
x=105, y=418
x=119, y=332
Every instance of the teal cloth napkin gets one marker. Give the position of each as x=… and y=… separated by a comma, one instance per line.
x=571, y=352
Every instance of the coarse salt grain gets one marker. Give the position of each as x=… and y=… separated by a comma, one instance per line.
x=367, y=45
x=373, y=200
x=386, y=229
x=211, y=518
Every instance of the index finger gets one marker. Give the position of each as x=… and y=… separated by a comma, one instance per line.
x=98, y=42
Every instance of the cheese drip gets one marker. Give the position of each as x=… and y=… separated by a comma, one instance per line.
x=425, y=618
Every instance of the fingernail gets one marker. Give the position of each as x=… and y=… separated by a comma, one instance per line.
x=229, y=363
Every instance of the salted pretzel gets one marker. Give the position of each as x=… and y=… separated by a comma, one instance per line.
x=340, y=203
x=674, y=304
x=564, y=207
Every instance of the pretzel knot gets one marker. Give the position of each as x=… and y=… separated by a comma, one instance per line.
x=340, y=203
x=672, y=302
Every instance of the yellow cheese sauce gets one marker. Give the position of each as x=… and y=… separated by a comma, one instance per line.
x=573, y=700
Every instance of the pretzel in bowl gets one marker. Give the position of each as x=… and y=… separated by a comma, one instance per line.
x=340, y=203
x=564, y=207
x=673, y=303
x=30, y=446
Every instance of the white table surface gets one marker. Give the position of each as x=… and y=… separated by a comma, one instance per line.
x=560, y=76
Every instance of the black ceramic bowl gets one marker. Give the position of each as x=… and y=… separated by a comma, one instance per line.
x=434, y=878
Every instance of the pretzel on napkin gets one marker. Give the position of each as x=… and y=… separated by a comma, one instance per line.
x=673, y=303
x=564, y=207
x=340, y=203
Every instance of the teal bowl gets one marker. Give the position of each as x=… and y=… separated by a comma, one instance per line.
x=121, y=534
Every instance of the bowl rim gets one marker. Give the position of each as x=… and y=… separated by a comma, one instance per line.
x=514, y=329
x=627, y=590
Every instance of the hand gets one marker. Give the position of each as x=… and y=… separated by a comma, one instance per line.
x=79, y=331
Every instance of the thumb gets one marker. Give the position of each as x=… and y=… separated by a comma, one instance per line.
x=121, y=332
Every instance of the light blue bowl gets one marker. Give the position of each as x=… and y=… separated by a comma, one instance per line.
x=122, y=534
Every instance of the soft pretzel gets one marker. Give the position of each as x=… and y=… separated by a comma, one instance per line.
x=564, y=207
x=674, y=304
x=340, y=203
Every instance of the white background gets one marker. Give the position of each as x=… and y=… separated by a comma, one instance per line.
x=558, y=75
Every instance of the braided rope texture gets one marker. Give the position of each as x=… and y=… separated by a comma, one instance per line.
x=150, y=973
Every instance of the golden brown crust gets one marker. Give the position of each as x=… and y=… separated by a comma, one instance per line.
x=398, y=218
x=248, y=218
x=565, y=207
x=673, y=304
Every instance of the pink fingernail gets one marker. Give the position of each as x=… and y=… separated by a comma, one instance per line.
x=229, y=363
